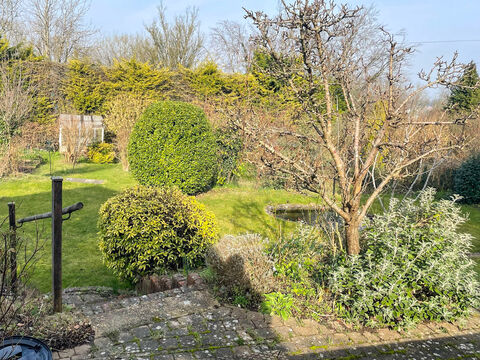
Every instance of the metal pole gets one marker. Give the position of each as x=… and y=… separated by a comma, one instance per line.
x=57, y=243
x=13, y=245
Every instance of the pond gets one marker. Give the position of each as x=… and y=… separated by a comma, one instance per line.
x=309, y=214
x=312, y=214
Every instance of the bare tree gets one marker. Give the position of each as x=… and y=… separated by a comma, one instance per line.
x=122, y=114
x=179, y=43
x=10, y=11
x=75, y=138
x=15, y=99
x=124, y=46
x=16, y=104
x=232, y=45
x=58, y=29
x=359, y=115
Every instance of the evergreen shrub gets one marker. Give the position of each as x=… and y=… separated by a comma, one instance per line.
x=144, y=230
x=413, y=266
x=173, y=144
x=229, y=146
x=467, y=180
x=101, y=153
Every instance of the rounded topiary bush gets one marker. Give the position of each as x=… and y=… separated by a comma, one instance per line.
x=173, y=144
x=467, y=180
x=146, y=229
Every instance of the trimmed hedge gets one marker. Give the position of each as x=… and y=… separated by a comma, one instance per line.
x=145, y=229
x=173, y=144
x=467, y=180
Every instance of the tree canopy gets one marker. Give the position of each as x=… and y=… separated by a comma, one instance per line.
x=465, y=96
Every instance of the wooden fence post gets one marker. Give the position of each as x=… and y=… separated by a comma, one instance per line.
x=13, y=245
x=57, y=243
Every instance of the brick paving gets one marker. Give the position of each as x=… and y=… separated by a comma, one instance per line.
x=188, y=323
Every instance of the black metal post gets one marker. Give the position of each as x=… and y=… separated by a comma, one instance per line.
x=13, y=245
x=57, y=243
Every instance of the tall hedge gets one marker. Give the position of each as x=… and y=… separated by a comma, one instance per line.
x=173, y=144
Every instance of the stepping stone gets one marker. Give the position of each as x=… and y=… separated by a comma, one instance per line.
x=85, y=181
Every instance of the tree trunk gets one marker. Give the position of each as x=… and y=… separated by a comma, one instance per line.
x=353, y=237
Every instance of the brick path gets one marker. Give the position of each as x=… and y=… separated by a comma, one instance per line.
x=188, y=323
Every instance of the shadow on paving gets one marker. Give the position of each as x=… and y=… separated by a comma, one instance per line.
x=188, y=323
x=269, y=338
x=451, y=347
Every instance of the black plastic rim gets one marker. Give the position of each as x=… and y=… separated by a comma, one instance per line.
x=41, y=349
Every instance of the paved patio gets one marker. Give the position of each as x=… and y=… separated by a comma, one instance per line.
x=188, y=323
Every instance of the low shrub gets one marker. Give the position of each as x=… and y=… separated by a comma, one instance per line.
x=279, y=304
x=145, y=229
x=101, y=153
x=297, y=259
x=413, y=266
x=277, y=277
x=173, y=145
x=242, y=266
x=466, y=180
x=297, y=255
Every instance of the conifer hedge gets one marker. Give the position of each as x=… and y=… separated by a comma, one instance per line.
x=467, y=180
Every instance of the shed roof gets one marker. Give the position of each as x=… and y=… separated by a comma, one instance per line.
x=88, y=120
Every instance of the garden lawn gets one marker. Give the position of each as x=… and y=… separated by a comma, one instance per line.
x=82, y=263
x=241, y=209
x=238, y=210
x=472, y=226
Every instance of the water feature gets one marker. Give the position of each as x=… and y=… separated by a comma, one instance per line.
x=309, y=214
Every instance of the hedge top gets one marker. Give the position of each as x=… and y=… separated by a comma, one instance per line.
x=173, y=144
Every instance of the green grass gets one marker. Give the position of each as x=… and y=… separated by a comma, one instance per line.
x=238, y=210
x=472, y=226
x=82, y=264
x=241, y=209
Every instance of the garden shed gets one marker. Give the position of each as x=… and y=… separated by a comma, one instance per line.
x=84, y=129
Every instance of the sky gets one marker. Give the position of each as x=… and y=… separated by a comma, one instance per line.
x=443, y=26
